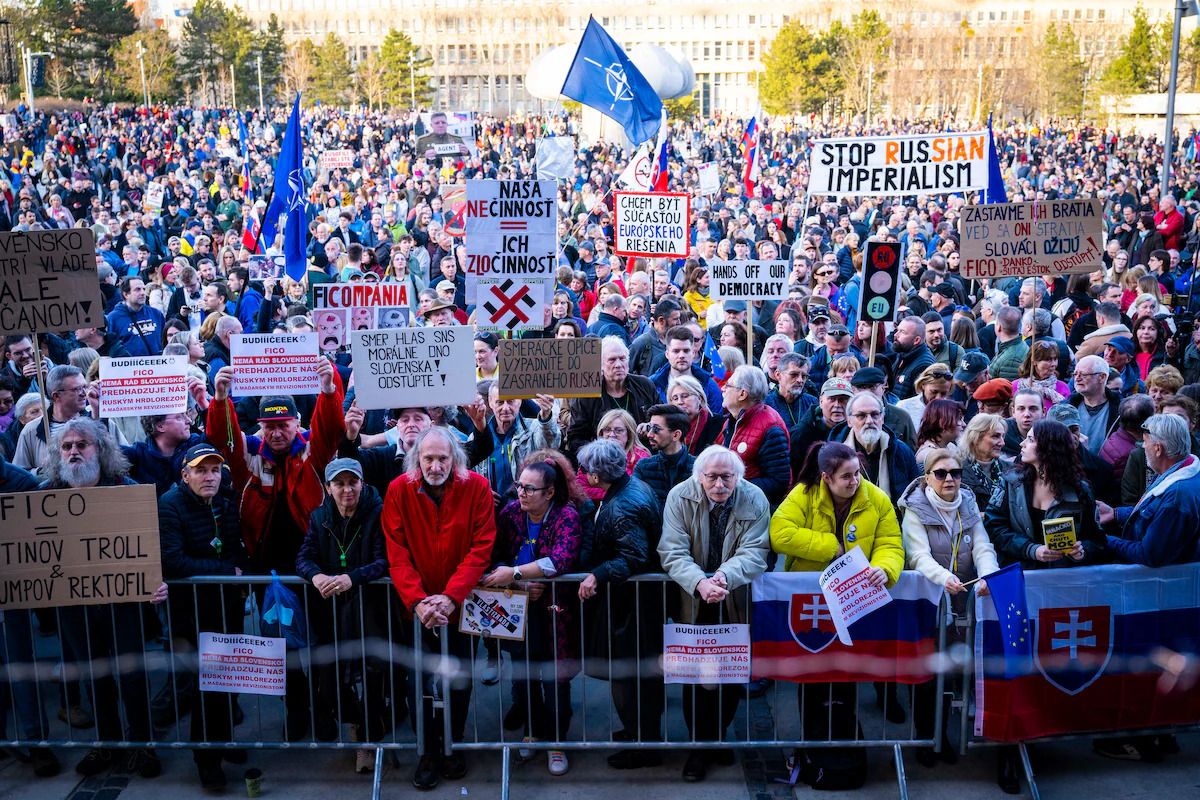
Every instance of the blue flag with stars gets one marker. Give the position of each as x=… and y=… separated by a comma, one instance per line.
x=1007, y=589
x=716, y=365
x=995, y=191
x=602, y=77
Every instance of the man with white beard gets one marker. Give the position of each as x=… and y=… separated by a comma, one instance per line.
x=886, y=461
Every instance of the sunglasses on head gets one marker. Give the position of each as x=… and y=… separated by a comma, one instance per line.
x=942, y=474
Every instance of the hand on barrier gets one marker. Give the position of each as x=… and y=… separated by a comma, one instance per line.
x=710, y=591
x=160, y=595
x=499, y=577
x=587, y=589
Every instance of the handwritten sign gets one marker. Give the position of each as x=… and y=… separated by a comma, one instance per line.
x=709, y=177
x=706, y=654
x=336, y=159
x=140, y=385
x=494, y=614
x=511, y=231
x=749, y=280
x=1047, y=237
x=929, y=163
x=48, y=281
x=848, y=592
x=651, y=224
x=79, y=547
x=559, y=367
x=274, y=363
x=400, y=367
x=233, y=662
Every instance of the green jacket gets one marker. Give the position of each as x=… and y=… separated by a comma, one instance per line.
x=1009, y=356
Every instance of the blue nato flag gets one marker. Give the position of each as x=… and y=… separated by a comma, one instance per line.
x=288, y=199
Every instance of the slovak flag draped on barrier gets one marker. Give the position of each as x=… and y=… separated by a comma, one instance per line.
x=793, y=637
x=1093, y=630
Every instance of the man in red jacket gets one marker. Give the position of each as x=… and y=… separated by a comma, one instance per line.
x=277, y=476
x=439, y=520
x=1170, y=223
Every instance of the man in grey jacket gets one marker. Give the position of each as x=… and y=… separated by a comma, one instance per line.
x=714, y=523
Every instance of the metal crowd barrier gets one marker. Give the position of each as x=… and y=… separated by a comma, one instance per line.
x=391, y=684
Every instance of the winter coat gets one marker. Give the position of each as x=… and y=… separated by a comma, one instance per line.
x=1010, y=525
x=931, y=548
x=662, y=473
x=1164, y=526
x=761, y=440
x=586, y=412
x=528, y=436
x=140, y=331
x=189, y=528
x=909, y=367
x=683, y=546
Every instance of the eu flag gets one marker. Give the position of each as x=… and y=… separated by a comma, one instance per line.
x=602, y=77
x=288, y=199
x=995, y=192
x=715, y=364
x=1007, y=589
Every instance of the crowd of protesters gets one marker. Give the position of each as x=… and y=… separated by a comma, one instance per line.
x=713, y=448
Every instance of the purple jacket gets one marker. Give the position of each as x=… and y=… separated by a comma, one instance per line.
x=561, y=540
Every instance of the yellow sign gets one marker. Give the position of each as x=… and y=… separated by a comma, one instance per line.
x=1059, y=534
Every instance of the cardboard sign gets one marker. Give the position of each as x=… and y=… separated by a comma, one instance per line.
x=274, y=363
x=1046, y=237
x=651, y=224
x=402, y=367
x=511, y=231
x=153, y=197
x=748, y=280
x=454, y=205
x=140, y=385
x=1059, y=534
x=336, y=159
x=848, y=593
x=494, y=614
x=48, y=281
x=880, y=294
x=233, y=662
x=709, y=176
x=706, y=654
x=510, y=304
x=79, y=547
x=928, y=163
x=559, y=367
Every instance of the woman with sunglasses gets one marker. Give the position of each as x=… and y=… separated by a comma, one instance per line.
x=945, y=541
x=823, y=284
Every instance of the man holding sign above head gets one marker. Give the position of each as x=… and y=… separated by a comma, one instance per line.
x=500, y=445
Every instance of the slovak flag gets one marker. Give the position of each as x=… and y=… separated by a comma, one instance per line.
x=750, y=151
x=250, y=233
x=662, y=170
x=793, y=638
x=1093, y=631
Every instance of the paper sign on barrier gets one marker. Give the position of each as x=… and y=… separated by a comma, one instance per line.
x=242, y=664
x=498, y=614
x=706, y=654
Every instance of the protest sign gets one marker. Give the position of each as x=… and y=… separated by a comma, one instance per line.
x=79, y=547
x=931, y=163
x=494, y=614
x=1059, y=534
x=555, y=157
x=336, y=159
x=748, y=280
x=709, y=177
x=140, y=385
x=638, y=175
x=274, y=363
x=511, y=304
x=401, y=367
x=447, y=148
x=233, y=662
x=152, y=198
x=1046, y=237
x=706, y=654
x=560, y=367
x=342, y=307
x=651, y=224
x=511, y=232
x=848, y=593
x=48, y=281
x=454, y=204
x=263, y=267
x=359, y=295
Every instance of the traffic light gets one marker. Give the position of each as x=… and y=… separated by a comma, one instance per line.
x=880, y=293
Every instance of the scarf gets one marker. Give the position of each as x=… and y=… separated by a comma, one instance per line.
x=1048, y=388
x=946, y=509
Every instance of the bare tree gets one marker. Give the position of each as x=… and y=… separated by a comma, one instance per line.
x=370, y=79
x=298, y=67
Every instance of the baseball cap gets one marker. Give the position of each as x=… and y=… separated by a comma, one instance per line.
x=970, y=366
x=340, y=465
x=274, y=408
x=586, y=244
x=1065, y=413
x=818, y=312
x=868, y=376
x=997, y=390
x=945, y=290
x=835, y=387
x=734, y=305
x=446, y=286
x=197, y=453
x=1123, y=344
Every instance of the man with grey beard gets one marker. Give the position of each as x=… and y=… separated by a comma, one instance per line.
x=886, y=461
x=84, y=454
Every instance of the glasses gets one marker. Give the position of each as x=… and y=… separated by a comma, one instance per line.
x=723, y=477
x=732, y=385
x=67, y=447
x=1081, y=375
x=79, y=390
x=525, y=488
x=867, y=415
x=943, y=474
x=825, y=274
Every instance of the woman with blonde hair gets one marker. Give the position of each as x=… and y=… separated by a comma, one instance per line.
x=844, y=367
x=619, y=426
x=981, y=448
x=208, y=328
x=936, y=382
x=1129, y=286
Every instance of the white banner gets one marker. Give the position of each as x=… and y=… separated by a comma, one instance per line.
x=141, y=385
x=706, y=654
x=401, y=367
x=555, y=158
x=233, y=662
x=511, y=231
x=930, y=163
x=274, y=363
x=848, y=593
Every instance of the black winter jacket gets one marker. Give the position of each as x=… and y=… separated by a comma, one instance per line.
x=188, y=529
x=662, y=473
x=361, y=536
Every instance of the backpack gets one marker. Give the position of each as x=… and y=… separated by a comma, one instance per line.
x=1068, y=311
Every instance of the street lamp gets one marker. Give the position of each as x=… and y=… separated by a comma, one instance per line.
x=233, y=86
x=412, y=84
x=27, y=57
x=141, y=57
x=258, y=58
x=1183, y=8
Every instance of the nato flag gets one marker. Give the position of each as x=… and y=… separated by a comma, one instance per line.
x=288, y=199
